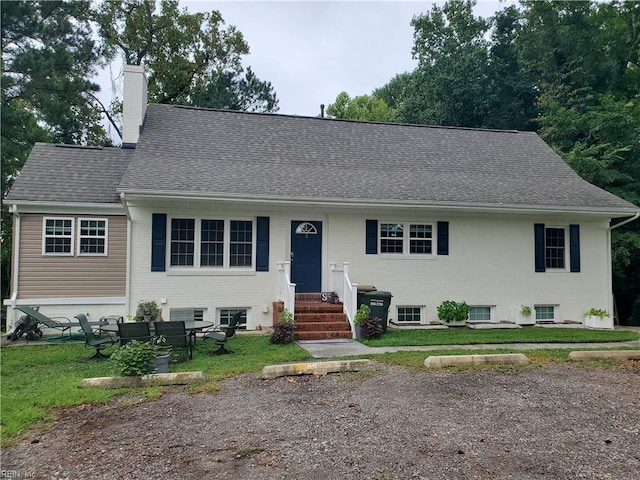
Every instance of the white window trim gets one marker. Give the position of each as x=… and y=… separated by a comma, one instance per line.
x=556, y=312
x=197, y=240
x=406, y=239
x=492, y=313
x=106, y=237
x=422, y=319
x=45, y=236
x=247, y=315
x=567, y=253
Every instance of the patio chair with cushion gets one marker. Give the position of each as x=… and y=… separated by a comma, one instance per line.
x=175, y=335
x=93, y=340
x=224, y=333
x=133, y=331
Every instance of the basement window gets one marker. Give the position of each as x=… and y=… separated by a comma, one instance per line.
x=480, y=313
x=409, y=315
x=225, y=315
x=545, y=313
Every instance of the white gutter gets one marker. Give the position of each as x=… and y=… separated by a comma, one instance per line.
x=143, y=195
x=127, y=288
x=624, y=222
x=27, y=206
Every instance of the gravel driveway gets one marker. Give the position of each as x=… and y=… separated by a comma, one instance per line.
x=558, y=422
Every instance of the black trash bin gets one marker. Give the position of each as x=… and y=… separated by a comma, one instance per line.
x=379, y=303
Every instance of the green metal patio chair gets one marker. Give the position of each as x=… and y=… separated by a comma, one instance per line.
x=222, y=334
x=175, y=335
x=92, y=340
x=134, y=331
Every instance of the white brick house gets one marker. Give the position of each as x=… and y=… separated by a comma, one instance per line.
x=210, y=208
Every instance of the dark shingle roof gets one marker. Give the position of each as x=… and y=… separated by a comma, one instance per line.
x=66, y=173
x=215, y=152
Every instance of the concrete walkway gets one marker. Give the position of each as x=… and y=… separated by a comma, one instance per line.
x=343, y=348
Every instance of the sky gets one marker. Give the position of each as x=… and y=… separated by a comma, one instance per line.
x=311, y=51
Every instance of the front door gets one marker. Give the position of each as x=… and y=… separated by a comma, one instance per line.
x=306, y=256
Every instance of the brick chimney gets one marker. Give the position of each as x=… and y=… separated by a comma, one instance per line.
x=134, y=104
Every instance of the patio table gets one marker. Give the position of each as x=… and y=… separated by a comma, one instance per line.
x=191, y=326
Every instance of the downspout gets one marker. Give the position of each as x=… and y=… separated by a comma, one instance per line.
x=624, y=222
x=127, y=292
x=610, y=266
x=16, y=255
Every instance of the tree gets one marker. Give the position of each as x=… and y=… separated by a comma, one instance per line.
x=584, y=57
x=190, y=58
x=395, y=91
x=48, y=58
x=464, y=79
x=364, y=107
x=449, y=86
x=233, y=92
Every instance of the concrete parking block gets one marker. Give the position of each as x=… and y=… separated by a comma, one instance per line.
x=315, y=368
x=605, y=354
x=154, y=379
x=457, y=360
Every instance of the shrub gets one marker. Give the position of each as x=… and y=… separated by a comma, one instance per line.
x=525, y=310
x=135, y=358
x=597, y=312
x=371, y=327
x=284, y=330
x=148, y=308
x=450, y=311
x=363, y=313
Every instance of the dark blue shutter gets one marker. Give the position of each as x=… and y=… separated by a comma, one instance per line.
x=262, y=247
x=574, y=246
x=158, y=242
x=540, y=263
x=372, y=237
x=443, y=238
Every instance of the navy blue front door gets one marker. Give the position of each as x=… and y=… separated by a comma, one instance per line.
x=306, y=256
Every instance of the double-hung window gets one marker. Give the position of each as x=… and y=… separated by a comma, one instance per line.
x=182, y=241
x=58, y=236
x=406, y=238
x=241, y=243
x=555, y=247
x=207, y=243
x=92, y=236
x=212, y=243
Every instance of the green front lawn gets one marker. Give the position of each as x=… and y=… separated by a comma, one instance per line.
x=470, y=336
x=38, y=378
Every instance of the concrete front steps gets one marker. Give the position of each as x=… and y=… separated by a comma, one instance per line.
x=318, y=320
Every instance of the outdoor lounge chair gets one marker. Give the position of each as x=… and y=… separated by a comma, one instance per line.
x=100, y=343
x=59, y=323
x=133, y=331
x=223, y=333
x=175, y=335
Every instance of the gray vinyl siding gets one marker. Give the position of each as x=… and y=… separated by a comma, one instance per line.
x=44, y=276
